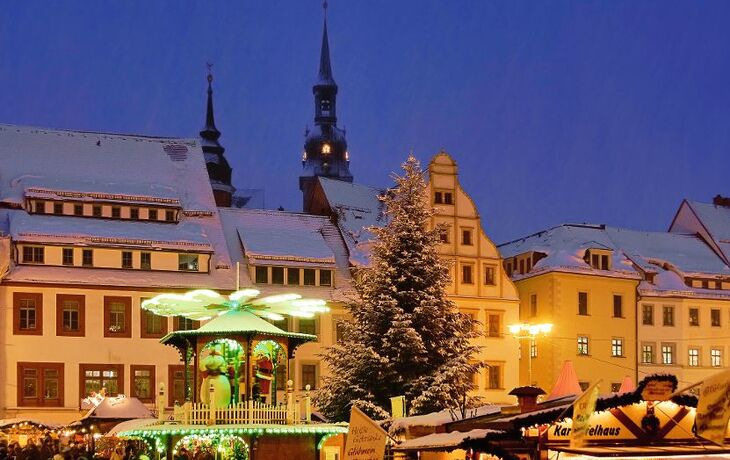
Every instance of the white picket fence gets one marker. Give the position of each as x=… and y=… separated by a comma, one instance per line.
x=245, y=412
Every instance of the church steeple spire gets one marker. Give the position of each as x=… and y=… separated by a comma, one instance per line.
x=325, y=67
x=210, y=132
x=219, y=171
x=325, y=146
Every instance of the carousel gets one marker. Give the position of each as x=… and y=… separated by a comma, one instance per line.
x=240, y=401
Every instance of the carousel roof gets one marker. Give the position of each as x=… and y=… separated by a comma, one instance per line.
x=242, y=322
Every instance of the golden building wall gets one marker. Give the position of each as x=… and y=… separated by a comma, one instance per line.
x=557, y=303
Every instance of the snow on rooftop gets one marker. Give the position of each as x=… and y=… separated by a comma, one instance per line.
x=444, y=441
x=77, y=161
x=357, y=207
x=283, y=237
x=187, y=235
x=441, y=417
x=565, y=246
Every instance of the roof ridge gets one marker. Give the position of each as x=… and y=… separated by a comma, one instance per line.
x=47, y=130
x=273, y=212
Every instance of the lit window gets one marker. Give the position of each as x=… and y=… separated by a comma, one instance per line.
x=326, y=149
x=693, y=357
x=617, y=347
x=716, y=357
x=647, y=354
x=27, y=314
x=667, y=353
x=187, y=262
x=143, y=382
x=583, y=345
x=533, y=349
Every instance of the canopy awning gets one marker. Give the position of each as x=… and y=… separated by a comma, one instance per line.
x=693, y=451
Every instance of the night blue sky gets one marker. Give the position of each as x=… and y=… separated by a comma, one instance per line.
x=608, y=112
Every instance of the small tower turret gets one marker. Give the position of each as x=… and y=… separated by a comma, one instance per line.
x=325, y=147
x=219, y=170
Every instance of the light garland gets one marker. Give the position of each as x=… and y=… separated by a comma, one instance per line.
x=258, y=431
x=203, y=304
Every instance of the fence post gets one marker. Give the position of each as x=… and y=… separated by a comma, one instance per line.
x=211, y=417
x=161, y=403
x=186, y=412
x=307, y=405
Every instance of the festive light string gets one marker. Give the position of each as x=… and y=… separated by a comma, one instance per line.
x=203, y=304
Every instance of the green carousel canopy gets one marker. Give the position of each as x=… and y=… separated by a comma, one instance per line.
x=241, y=313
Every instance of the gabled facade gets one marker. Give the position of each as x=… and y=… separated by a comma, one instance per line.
x=486, y=292
x=623, y=303
x=93, y=224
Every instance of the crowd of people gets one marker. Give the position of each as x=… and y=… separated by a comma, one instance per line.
x=51, y=449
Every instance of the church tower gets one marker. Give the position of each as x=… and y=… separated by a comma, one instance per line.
x=325, y=147
x=219, y=170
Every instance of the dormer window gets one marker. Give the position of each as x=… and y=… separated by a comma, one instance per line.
x=598, y=258
x=40, y=207
x=326, y=149
x=170, y=216
x=57, y=208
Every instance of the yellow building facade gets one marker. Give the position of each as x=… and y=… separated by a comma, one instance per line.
x=480, y=287
x=621, y=302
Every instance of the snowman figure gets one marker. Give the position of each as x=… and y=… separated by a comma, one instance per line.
x=214, y=368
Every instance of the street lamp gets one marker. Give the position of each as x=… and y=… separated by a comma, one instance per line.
x=529, y=332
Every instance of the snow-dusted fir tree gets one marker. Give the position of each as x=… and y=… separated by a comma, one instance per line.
x=405, y=336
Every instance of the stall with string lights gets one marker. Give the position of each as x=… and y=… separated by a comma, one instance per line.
x=234, y=361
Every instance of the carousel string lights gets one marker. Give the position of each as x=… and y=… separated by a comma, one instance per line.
x=204, y=304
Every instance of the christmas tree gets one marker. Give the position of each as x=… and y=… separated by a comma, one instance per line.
x=405, y=337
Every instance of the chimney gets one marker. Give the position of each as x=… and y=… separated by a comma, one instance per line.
x=720, y=200
x=527, y=397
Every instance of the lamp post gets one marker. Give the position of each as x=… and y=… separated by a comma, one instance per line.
x=530, y=332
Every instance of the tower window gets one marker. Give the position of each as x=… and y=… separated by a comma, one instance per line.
x=325, y=107
x=326, y=149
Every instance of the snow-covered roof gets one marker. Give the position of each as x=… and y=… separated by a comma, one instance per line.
x=119, y=407
x=84, y=162
x=716, y=219
x=188, y=235
x=441, y=418
x=564, y=247
x=86, y=166
x=357, y=207
x=443, y=441
x=687, y=253
x=283, y=237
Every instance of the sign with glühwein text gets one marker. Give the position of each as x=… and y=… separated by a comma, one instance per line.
x=365, y=438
